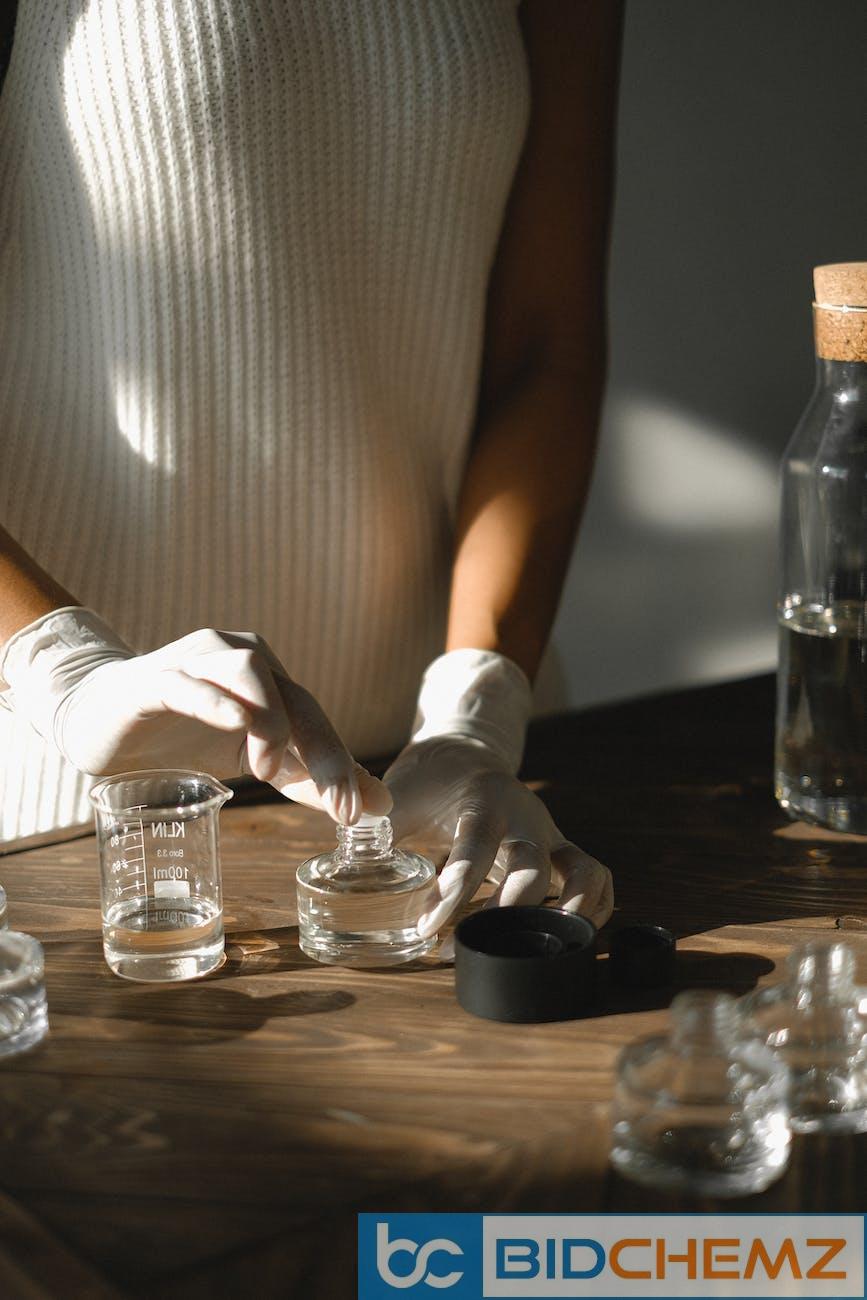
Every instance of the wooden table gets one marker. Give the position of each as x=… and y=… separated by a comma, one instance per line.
x=218, y=1138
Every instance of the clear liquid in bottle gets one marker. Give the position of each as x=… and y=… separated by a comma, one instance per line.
x=821, y=758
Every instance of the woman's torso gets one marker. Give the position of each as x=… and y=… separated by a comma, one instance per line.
x=244, y=250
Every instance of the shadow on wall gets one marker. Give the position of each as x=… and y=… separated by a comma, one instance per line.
x=740, y=152
x=674, y=580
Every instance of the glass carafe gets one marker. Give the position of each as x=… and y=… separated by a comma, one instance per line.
x=821, y=740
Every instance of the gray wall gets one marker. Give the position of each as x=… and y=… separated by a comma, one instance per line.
x=742, y=162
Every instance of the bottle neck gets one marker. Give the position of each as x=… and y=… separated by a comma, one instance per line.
x=703, y=1020
x=823, y=972
x=847, y=379
x=369, y=840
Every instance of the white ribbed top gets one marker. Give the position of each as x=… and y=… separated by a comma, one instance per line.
x=244, y=250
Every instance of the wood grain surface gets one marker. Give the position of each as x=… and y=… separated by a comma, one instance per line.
x=218, y=1138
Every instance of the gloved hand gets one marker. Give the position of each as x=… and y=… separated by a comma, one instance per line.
x=456, y=780
x=217, y=701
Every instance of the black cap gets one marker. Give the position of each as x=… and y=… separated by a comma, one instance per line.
x=525, y=964
x=642, y=956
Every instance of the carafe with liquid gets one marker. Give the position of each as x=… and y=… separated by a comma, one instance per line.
x=821, y=734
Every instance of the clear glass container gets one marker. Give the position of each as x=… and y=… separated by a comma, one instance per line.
x=23, y=1006
x=701, y=1109
x=821, y=732
x=159, y=856
x=4, y=914
x=359, y=904
x=816, y=1022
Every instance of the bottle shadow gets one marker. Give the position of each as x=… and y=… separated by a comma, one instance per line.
x=731, y=972
x=206, y=1010
x=223, y=1013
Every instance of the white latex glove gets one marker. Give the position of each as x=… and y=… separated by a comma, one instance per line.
x=456, y=779
x=220, y=702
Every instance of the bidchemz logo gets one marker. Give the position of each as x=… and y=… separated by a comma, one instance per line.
x=423, y=1255
x=485, y=1257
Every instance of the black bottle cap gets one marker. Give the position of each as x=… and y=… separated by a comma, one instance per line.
x=525, y=964
x=642, y=956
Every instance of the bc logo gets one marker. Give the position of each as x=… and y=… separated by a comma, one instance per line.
x=421, y=1270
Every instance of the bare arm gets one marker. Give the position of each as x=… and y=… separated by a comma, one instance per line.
x=26, y=591
x=544, y=364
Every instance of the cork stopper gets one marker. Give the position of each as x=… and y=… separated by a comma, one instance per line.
x=843, y=284
x=840, y=311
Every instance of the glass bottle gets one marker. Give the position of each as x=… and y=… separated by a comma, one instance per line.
x=815, y=1023
x=23, y=1006
x=821, y=740
x=701, y=1109
x=359, y=904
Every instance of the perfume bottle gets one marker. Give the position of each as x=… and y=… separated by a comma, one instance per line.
x=702, y=1109
x=816, y=1022
x=359, y=904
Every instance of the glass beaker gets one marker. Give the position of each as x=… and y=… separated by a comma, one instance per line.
x=158, y=842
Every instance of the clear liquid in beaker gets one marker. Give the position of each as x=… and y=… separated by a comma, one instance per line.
x=151, y=938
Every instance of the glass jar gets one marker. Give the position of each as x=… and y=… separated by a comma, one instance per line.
x=359, y=904
x=23, y=1006
x=701, y=1109
x=821, y=733
x=815, y=1023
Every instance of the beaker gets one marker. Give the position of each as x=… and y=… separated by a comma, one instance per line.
x=158, y=843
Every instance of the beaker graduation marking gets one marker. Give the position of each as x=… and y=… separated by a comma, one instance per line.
x=138, y=864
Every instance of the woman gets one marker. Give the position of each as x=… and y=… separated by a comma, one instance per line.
x=302, y=326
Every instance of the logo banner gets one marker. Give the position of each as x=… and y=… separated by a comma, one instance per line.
x=525, y=1256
